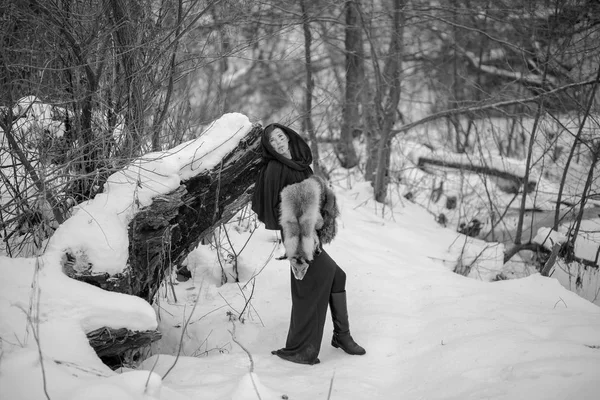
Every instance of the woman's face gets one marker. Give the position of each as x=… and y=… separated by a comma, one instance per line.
x=280, y=142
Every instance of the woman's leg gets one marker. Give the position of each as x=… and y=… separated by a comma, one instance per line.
x=339, y=314
x=339, y=281
x=310, y=298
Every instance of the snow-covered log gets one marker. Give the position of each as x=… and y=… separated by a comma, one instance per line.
x=111, y=344
x=163, y=231
x=510, y=182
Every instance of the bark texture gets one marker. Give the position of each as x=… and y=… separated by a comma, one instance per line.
x=163, y=234
x=111, y=344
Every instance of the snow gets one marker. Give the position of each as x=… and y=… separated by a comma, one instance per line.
x=587, y=245
x=41, y=305
x=577, y=277
x=547, y=237
x=35, y=117
x=429, y=333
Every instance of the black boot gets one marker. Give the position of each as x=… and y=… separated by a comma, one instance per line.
x=341, y=327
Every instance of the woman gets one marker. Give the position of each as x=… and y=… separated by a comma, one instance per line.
x=286, y=160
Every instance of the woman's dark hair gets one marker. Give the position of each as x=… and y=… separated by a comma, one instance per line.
x=271, y=127
x=266, y=138
x=299, y=149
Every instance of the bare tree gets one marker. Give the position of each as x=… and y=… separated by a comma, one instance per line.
x=350, y=122
x=108, y=73
x=381, y=118
x=307, y=121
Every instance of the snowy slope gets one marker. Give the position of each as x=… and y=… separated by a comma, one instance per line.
x=429, y=333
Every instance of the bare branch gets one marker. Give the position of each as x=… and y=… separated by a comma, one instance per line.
x=493, y=106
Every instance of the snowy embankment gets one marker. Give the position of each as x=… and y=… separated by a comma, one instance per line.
x=429, y=333
x=488, y=207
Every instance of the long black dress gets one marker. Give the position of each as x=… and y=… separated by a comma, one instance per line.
x=310, y=300
x=310, y=296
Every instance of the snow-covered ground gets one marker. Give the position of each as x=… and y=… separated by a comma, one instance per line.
x=429, y=333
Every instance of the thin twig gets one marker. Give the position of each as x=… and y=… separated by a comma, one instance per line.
x=264, y=265
x=202, y=344
x=560, y=301
x=236, y=277
x=331, y=385
x=80, y=368
x=258, y=315
x=225, y=300
x=39, y=348
x=249, y=356
x=248, y=299
x=150, y=374
x=217, y=247
x=217, y=194
x=210, y=312
x=36, y=328
x=183, y=333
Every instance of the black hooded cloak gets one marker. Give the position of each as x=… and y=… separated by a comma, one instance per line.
x=310, y=296
x=277, y=172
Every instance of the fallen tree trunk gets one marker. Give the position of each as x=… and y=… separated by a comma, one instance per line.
x=564, y=251
x=111, y=344
x=162, y=234
x=511, y=183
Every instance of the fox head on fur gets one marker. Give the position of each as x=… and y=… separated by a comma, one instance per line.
x=300, y=264
x=299, y=267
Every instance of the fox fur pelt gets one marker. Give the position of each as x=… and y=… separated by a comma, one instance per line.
x=308, y=213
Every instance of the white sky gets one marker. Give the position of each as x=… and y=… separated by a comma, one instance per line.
x=429, y=333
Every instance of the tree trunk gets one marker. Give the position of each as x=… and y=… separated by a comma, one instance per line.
x=538, y=115
x=123, y=18
x=307, y=121
x=164, y=233
x=392, y=78
x=350, y=123
x=161, y=114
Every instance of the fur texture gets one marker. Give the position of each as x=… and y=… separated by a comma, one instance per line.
x=329, y=212
x=308, y=219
